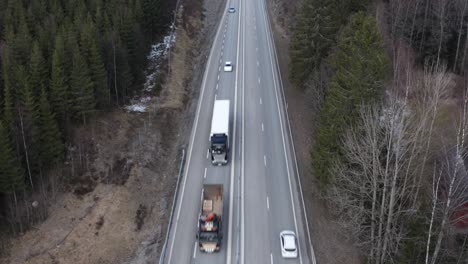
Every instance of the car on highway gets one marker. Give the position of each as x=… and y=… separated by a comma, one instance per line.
x=232, y=10
x=288, y=244
x=228, y=66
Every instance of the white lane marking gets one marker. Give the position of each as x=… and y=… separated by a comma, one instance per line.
x=264, y=160
x=261, y=101
x=231, y=191
x=268, y=203
x=207, y=153
x=194, y=129
x=242, y=235
x=195, y=250
x=258, y=63
x=215, y=96
x=256, y=48
x=271, y=258
x=258, y=79
x=218, y=77
x=262, y=127
x=223, y=41
x=204, y=175
x=217, y=84
x=201, y=196
x=269, y=41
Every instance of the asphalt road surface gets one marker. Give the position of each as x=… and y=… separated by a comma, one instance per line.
x=262, y=195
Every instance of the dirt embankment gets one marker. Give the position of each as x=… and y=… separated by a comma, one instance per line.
x=116, y=211
x=330, y=245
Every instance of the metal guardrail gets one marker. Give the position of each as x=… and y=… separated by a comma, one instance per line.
x=174, y=202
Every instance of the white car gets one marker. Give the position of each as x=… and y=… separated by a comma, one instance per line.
x=288, y=244
x=232, y=10
x=228, y=66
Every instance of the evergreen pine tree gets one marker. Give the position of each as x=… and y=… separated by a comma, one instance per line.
x=38, y=74
x=51, y=144
x=81, y=88
x=29, y=118
x=124, y=75
x=59, y=82
x=22, y=43
x=152, y=17
x=8, y=110
x=128, y=38
x=1, y=88
x=360, y=65
x=11, y=176
x=98, y=76
x=87, y=35
x=314, y=35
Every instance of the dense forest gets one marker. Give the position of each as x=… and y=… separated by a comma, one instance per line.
x=390, y=85
x=62, y=61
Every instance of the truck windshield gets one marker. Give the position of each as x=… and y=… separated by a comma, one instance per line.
x=208, y=236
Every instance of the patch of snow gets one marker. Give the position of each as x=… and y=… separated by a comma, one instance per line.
x=140, y=105
x=157, y=54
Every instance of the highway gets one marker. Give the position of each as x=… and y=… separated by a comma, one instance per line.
x=261, y=194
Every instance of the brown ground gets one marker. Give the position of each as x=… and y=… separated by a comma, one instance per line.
x=117, y=210
x=328, y=239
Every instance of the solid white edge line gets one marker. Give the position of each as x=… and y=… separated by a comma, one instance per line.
x=231, y=193
x=242, y=236
x=194, y=129
x=281, y=125
x=314, y=261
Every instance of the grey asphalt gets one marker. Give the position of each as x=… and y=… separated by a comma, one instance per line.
x=261, y=197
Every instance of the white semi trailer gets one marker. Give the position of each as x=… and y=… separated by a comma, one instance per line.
x=219, y=136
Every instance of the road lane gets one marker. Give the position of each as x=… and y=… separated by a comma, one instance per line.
x=216, y=84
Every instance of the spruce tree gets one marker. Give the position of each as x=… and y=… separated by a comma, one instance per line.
x=81, y=88
x=314, y=35
x=98, y=76
x=38, y=73
x=29, y=119
x=152, y=17
x=361, y=66
x=87, y=35
x=11, y=175
x=22, y=43
x=128, y=38
x=8, y=103
x=59, y=82
x=51, y=146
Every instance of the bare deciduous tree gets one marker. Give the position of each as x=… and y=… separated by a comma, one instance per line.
x=378, y=185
